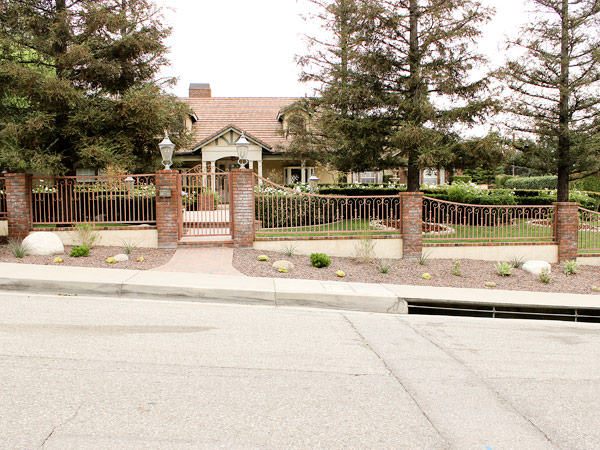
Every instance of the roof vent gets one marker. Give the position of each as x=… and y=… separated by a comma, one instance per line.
x=200, y=90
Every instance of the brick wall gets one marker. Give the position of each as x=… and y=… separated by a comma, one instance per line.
x=168, y=209
x=412, y=238
x=18, y=202
x=242, y=222
x=567, y=230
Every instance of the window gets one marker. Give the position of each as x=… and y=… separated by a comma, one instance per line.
x=294, y=175
x=84, y=173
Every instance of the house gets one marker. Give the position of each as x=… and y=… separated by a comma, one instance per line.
x=268, y=123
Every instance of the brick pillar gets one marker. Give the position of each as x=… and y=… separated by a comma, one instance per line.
x=18, y=202
x=412, y=228
x=242, y=187
x=567, y=229
x=168, y=208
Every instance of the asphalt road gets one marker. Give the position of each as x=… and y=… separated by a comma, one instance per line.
x=88, y=373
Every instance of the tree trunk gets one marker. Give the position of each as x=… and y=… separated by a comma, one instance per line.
x=412, y=183
x=564, y=150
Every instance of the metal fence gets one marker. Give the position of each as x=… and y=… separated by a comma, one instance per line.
x=445, y=221
x=284, y=212
x=3, y=207
x=589, y=231
x=128, y=199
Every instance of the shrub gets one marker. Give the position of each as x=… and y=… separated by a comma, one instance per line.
x=503, y=269
x=426, y=276
x=570, y=267
x=289, y=250
x=545, y=182
x=82, y=250
x=264, y=258
x=500, y=180
x=319, y=260
x=364, y=249
x=111, y=260
x=385, y=265
x=87, y=235
x=340, y=274
x=456, y=270
x=461, y=179
x=128, y=246
x=424, y=257
x=591, y=184
x=545, y=276
x=58, y=260
x=17, y=248
x=516, y=261
x=490, y=284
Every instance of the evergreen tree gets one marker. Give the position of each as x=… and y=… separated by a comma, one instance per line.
x=78, y=85
x=554, y=84
x=395, y=82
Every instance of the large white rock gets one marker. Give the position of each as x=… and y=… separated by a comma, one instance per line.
x=285, y=264
x=121, y=257
x=536, y=267
x=43, y=243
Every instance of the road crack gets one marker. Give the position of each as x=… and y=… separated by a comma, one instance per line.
x=62, y=424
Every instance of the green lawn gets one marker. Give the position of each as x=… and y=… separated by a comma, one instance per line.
x=520, y=232
x=341, y=228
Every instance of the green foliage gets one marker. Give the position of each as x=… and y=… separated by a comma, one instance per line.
x=385, y=265
x=79, y=85
x=469, y=193
x=500, y=180
x=128, y=246
x=424, y=257
x=570, y=267
x=456, y=269
x=319, y=260
x=79, y=251
x=364, y=249
x=290, y=249
x=545, y=182
x=17, y=248
x=462, y=179
x=87, y=235
x=517, y=261
x=544, y=276
x=263, y=258
x=503, y=269
x=591, y=184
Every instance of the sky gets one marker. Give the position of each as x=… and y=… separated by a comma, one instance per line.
x=246, y=48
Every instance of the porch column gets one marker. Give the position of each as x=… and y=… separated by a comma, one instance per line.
x=213, y=171
x=260, y=172
x=302, y=172
x=203, y=171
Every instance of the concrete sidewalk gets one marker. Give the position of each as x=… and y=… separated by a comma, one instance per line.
x=386, y=298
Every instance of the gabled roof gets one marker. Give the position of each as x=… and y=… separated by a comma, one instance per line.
x=225, y=130
x=256, y=116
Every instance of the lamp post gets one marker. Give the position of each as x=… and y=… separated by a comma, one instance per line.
x=166, y=150
x=242, y=145
x=312, y=182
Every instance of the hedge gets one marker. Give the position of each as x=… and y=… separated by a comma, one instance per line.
x=545, y=182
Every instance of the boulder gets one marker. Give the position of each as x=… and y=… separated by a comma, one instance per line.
x=121, y=257
x=42, y=243
x=283, y=263
x=536, y=267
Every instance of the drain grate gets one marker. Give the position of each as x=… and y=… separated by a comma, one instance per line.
x=504, y=312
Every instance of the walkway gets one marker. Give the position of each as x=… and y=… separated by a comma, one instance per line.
x=210, y=261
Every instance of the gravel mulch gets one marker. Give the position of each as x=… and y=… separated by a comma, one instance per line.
x=474, y=273
x=152, y=258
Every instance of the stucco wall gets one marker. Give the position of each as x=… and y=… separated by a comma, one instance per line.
x=3, y=228
x=115, y=238
x=547, y=253
x=589, y=260
x=384, y=248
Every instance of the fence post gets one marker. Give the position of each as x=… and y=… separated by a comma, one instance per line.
x=412, y=227
x=18, y=204
x=567, y=229
x=167, y=208
x=242, y=222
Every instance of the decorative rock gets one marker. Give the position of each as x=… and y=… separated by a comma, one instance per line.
x=426, y=276
x=43, y=243
x=340, y=274
x=490, y=284
x=283, y=263
x=536, y=267
x=121, y=257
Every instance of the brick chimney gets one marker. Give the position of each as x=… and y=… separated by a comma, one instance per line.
x=200, y=90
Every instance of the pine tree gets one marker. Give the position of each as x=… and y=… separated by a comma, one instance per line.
x=78, y=85
x=554, y=84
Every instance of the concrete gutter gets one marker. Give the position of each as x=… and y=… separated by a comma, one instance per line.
x=382, y=298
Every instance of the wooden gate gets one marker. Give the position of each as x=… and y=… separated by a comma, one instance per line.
x=205, y=204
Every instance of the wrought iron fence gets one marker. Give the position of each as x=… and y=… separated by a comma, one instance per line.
x=280, y=211
x=589, y=231
x=129, y=199
x=3, y=207
x=445, y=221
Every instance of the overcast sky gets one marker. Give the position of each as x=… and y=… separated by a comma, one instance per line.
x=246, y=48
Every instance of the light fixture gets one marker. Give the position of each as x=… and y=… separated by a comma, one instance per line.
x=166, y=151
x=129, y=185
x=242, y=146
x=312, y=182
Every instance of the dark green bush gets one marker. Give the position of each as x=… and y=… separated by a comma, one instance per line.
x=545, y=182
x=501, y=180
x=461, y=178
x=591, y=184
x=82, y=250
x=319, y=260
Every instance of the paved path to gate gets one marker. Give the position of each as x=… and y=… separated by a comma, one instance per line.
x=211, y=261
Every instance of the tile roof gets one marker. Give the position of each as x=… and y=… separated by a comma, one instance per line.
x=257, y=116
